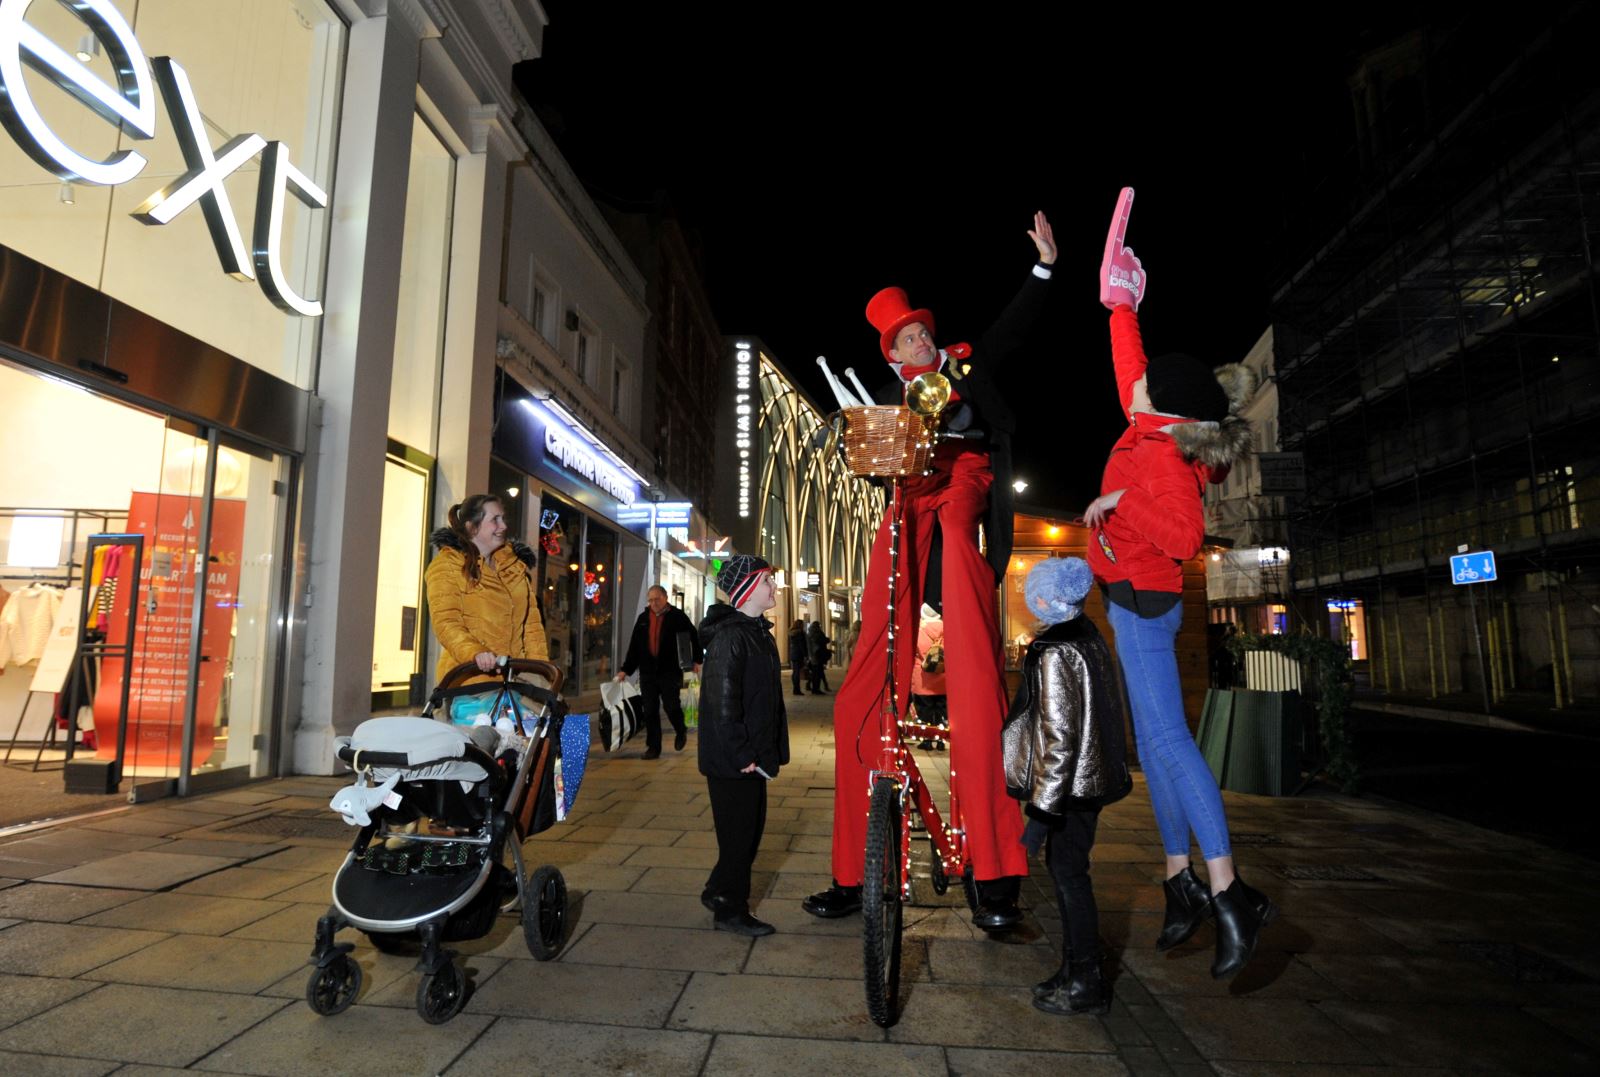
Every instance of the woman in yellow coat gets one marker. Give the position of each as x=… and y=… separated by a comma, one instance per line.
x=482, y=591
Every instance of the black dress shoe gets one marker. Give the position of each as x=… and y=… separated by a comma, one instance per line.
x=998, y=914
x=712, y=902
x=743, y=923
x=680, y=740
x=1241, y=912
x=1085, y=991
x=1188, y=903
x=834, y=902
x=652, y=753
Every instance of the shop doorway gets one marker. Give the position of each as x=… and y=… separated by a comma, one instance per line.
x=210, y=589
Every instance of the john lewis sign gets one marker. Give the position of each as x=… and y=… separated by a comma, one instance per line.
x=131, y=106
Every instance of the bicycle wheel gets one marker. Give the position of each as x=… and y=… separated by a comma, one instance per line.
x=880, y=905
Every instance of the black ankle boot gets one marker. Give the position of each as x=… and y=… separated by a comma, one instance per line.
x=1086, y=991
x=1241, y=912
x=1055, y=983
x=1188, y=903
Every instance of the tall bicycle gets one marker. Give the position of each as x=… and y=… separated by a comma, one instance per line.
x=894, y=443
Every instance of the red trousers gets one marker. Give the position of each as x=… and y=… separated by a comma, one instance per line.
x=956, y=497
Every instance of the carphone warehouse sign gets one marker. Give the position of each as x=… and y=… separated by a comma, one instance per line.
x=130, y=105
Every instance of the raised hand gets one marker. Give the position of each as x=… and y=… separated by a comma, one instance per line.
x=1044, y=239
x=1122, y=276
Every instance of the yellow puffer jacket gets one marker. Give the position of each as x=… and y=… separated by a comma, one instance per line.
x=497, y=614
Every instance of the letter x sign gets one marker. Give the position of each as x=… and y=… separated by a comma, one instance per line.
x=131, y=107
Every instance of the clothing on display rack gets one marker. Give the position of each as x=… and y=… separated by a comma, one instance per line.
x=105, y=574
x=25, y=623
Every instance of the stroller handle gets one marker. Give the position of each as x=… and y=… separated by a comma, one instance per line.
x=509, y=668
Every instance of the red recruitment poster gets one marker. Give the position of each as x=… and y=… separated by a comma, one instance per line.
x=165, y=629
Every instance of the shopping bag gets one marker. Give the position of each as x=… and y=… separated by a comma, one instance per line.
x=573, y=762
x=619, y=720
x=689, y=701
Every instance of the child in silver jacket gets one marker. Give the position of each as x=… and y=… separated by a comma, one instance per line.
x=1065, y=757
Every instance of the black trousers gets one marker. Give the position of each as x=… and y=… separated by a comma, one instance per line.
x=796, y=668
x=1067, y=856
x=739, y=813
x=655, y=693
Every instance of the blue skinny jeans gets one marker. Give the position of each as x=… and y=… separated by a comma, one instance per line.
x=1183, y=791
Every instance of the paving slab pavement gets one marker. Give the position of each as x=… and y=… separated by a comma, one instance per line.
x=172, y=937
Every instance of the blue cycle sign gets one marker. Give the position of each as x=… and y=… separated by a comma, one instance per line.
x=1473, y=567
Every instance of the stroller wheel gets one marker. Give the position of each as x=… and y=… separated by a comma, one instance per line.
x=544, y=913
x=441, y=995
x=334, y=986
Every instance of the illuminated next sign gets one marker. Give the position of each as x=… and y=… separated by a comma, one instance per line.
x=131, y=107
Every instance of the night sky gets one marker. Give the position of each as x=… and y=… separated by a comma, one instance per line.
x=819, y=156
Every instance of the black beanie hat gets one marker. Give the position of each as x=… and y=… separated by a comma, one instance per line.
x=1180, y=384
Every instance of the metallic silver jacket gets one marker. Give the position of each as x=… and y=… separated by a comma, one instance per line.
x=1064, y=741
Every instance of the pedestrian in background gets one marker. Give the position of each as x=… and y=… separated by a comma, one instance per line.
x=664, y=642
x=799, y=654
x=744, y=734
x=817, y=645
x=1065, y=759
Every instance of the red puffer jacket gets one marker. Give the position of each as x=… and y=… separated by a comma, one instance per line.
x=1163, y=465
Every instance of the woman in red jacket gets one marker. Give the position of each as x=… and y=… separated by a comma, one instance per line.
x=1149, y=518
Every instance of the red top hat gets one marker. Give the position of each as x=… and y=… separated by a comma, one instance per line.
x=889, y=312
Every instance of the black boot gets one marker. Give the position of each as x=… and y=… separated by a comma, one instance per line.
x=1085, y=991
x=1055, y=983
x=1241, y=912
x=1188, y=903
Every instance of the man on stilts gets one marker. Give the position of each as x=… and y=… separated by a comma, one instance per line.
x=942, y=565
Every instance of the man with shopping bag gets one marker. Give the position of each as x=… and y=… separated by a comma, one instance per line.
x=664, y=644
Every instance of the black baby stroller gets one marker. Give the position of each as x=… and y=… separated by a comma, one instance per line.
x=438, y=806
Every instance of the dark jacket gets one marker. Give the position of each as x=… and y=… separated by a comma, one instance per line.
x=1064, y=742
x=983, y=407
x=742, y=720
x=663, y=665
x=799, y=649
x=817, y=645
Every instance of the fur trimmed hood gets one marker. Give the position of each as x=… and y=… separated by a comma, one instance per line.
x=443, y=538
x=1226, y=443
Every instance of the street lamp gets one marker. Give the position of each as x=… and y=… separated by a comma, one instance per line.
x=1019, y=486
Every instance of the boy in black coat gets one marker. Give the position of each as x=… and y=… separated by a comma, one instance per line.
x=744, y=734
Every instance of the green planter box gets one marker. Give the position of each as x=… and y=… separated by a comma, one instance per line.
x=1251, y=740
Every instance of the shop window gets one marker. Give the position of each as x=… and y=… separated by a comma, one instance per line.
x=399, y=644
x=424, y=288
x=560, y=547
x=600, y=576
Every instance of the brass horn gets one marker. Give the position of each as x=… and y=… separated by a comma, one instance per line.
x=928, y=394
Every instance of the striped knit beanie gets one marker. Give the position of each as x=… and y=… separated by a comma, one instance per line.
x=739, y=574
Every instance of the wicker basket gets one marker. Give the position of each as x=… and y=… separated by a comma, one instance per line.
x=887, y=442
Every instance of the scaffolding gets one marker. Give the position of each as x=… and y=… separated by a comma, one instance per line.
x=1439, y=367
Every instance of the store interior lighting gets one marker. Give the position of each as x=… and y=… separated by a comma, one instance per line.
x=35, y=542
